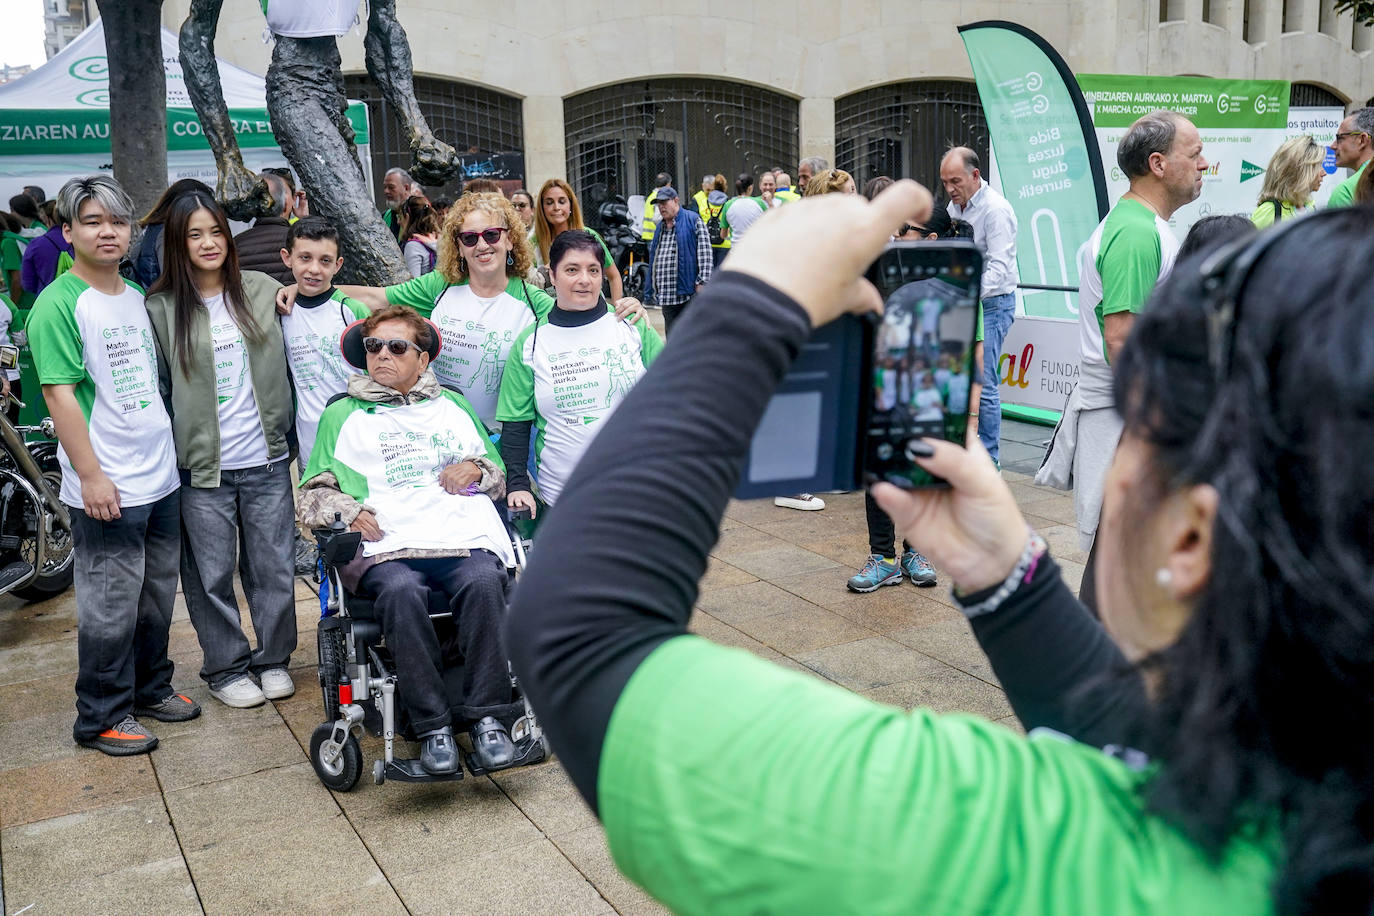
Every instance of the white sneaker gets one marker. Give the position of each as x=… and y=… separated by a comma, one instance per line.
x=803, y=501
x=276, y=684
x=240, y=693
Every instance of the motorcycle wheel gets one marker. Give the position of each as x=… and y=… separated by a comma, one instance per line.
x=57, y=578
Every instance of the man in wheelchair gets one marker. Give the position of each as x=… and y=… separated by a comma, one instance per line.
x=409, y=466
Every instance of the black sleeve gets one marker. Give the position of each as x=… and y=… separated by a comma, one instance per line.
x=515, y=454
x=640, y=513
x=1059, y=667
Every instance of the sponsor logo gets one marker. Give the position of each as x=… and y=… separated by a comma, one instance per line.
x=1249, y=170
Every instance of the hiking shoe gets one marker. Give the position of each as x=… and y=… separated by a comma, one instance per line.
x=276, y=684
x=240, y=693
x=918, y=569
x=876, y=573
x=128, y=737
x=176, y=708
x=803, y=501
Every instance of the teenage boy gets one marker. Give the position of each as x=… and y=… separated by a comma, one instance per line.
x=94, y=352
x=312, y=329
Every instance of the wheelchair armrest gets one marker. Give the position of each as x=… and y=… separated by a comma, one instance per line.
x=338, y=548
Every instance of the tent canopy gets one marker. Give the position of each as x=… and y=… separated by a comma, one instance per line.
x=63, y=107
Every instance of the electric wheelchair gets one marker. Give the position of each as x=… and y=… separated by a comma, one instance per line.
x=359, y=684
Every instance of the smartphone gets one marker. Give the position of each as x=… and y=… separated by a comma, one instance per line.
x=857, y=393
x=921, y=358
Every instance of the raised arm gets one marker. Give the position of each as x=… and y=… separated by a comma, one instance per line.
x=242, y=193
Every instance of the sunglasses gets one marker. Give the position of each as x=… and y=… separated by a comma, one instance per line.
x=908, y=227
x=396, y=345
x=490, y=236
x=1349, y=133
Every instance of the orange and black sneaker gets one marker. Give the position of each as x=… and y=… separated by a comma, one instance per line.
x=128, y=737
x=174, y=708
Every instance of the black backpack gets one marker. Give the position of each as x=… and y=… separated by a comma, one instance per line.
x=713, y=224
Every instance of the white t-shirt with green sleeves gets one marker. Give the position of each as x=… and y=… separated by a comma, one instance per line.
x=318, y=369
x=1118, y=267
x=569, y=380
x=103, y=345
x=389, y=457
x=477, y=333
x=242, y=443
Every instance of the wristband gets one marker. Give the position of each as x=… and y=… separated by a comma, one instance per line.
x=1020, y=574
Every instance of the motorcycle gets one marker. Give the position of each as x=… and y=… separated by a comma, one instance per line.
x=35, y=529
x=628, y=250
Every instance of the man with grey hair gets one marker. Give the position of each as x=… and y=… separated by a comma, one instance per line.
x=94, y=352
x=1354, y=147
x=1118, y=267
x=397, y=188
x=260, y=247
x=994, y=232
x=807, y=168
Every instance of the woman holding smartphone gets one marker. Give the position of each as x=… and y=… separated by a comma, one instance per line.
x=222, y=366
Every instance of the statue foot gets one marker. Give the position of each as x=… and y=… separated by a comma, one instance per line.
x=243, y=194
x=433, y=161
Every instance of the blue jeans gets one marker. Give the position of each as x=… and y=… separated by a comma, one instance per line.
x=125, y=574
x=248, y=518
x=998, y=314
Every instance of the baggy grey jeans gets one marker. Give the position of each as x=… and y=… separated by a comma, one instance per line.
x=249, y=517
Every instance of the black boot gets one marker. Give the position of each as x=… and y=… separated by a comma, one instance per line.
x=438, y=753
x=492, y=748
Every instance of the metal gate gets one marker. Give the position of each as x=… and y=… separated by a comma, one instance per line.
x=619, y=137
x=479, y=123
x=902, y=129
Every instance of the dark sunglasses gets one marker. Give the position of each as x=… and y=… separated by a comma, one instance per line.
x=396, y=345
x=490, y=236
x=908, y=227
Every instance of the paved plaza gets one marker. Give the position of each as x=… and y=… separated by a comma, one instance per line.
x=226, y=816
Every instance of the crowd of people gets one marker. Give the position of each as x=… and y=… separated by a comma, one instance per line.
x=1220, y=644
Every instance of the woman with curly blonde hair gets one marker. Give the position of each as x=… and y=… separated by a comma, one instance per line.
x=477, y=295
x=556, y=212
x=1293, y=176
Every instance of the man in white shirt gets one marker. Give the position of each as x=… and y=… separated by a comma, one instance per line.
x=994, y=232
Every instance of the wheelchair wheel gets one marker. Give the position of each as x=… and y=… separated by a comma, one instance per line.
x=342, y=773
x=332, y=661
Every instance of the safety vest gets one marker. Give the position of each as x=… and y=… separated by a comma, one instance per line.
x=708, y=211
x=786, y=196
x=699, y=198
x=646, y=230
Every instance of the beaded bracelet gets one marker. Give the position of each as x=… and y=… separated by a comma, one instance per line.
x=1020, y=574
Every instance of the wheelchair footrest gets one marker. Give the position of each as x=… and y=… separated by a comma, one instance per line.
x=529, y=750
x=408, y=769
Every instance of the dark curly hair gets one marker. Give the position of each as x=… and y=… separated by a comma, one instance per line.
x=1261, y=704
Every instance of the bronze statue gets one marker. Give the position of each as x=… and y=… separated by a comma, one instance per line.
x=307, y=105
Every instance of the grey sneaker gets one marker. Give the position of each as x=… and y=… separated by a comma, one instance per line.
x=122, y=740
x=276, y=684
x=240, y=693
x=176, y=708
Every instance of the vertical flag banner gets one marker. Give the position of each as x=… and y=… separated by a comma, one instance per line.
x=1047, y=157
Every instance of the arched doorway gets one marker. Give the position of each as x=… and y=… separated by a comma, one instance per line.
x=902, y=129
x=619, y=137
x=485, y=126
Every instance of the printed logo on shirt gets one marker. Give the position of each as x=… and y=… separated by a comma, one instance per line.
x=316, y=362
x=413, y=459
x=230, y=365
x=471, y=355
x=133, y=366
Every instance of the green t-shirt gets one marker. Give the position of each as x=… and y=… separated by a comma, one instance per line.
x=1264, y=213
x=103, y=346
x=1344, y=195
x=12, y=247
x=569, y=380
x=729, y=784
x=477, y=333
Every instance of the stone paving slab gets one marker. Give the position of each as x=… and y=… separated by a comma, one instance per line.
x=226, y=816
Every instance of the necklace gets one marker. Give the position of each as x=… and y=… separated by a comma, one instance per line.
x=1135, y=195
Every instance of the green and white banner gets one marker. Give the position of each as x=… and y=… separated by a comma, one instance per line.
x=1242, y=123
x=1047, y=160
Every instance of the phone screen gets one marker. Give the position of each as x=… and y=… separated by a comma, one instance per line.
x=922, y=359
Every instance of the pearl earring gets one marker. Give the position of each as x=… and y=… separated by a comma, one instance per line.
x=1163, y=578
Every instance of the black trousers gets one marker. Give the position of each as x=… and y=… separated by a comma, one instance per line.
x=881, y=532
x=476, y=586
x=671, y=313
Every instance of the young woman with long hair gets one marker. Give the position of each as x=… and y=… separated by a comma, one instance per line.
x=557, y=210
x=223, y=364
